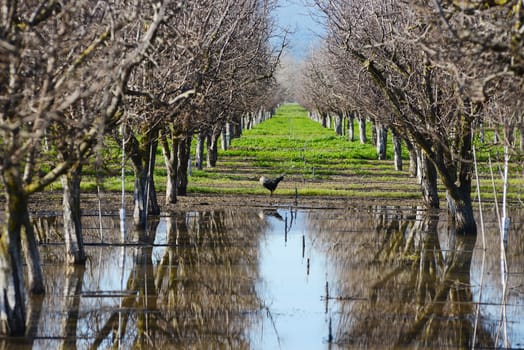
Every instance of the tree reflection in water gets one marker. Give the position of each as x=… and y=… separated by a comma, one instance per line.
x=189, y=281
x=396, y=278
x=405, y=283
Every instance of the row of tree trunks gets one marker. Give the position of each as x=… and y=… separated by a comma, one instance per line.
x=176, y=148
x=249, y=120
x=513, y=132
x=379, y=133
x=420, y=165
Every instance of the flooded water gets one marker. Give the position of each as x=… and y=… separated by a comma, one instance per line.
x=369, y=277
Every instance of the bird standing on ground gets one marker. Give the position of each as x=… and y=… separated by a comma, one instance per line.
x=270, y=184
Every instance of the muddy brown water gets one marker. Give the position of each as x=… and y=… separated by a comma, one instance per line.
x=369, y=277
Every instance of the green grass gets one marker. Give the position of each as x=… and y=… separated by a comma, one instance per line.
x=315, y=160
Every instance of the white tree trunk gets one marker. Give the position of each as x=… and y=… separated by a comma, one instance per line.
x=397, y=151
x=362, y=130
x=382, y=136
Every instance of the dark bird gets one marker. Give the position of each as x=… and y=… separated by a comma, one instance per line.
x=270, y=184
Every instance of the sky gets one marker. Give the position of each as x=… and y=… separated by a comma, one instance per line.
x=295, y=15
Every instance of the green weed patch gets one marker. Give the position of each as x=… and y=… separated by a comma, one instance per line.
x=314, y=160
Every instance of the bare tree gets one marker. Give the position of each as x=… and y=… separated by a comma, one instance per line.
x=425, y=102
x=232, y=70
x=489, y=34
x=67, y=66
x=205, y=67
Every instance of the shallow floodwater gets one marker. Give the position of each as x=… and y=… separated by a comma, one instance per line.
x=368, y=277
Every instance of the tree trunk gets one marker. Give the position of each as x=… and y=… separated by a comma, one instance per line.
x=226, y=136
x=481, y=132
x=212, y=148
x=496, y=136
x=12, y=291
x=144, y=195
x=74, y=242
x=324, y=120
x=12, y=307
x=153, y=207
x=35, y=275
x=460, y=210
x=412, y=158
x=145, y=201
x=199, y=156
x=351, y=127
x=18, y=229
x=21, y=228
x=509, y=132
x=184, y=149
x=236, y=129
x=171, y=162
x=428, y=181
x=374, y=134
x=139, y=198
x=338, y=123
x=397, y=151
x=457, y=181
x=362, y=130
x=382, y=136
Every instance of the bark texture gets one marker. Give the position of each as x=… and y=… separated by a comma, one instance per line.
x=74, y=242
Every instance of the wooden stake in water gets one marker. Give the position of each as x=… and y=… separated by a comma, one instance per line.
x=285, y=229
x=482, y=227
x=303, y=246
x=123, y=204
x=307, y=266
x=330, y=332
x=327, y=297
x=505, y=218
x=100, y=214
x=503, y=243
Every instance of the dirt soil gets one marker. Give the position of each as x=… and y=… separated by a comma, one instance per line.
x=109, y=203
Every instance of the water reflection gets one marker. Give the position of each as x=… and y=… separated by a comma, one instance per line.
x=406, y=283
x=376, y=277
x=292, y=284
